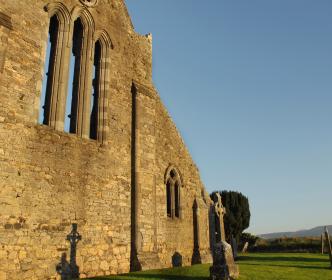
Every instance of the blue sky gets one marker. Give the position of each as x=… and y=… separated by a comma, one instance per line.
x=249, y=85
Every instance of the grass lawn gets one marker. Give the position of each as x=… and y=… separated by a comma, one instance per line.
x=252, y=267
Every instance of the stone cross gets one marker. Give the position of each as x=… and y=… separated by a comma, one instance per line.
x=220, y=212
x=328, y=244
x=74, y=237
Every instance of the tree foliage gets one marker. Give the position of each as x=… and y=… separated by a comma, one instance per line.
x=237, y=217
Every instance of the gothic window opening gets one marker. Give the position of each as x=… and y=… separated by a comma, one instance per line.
x=74, y=73
x=173, y=193
x=76, y=88
x=96, y=92
x=46, y=100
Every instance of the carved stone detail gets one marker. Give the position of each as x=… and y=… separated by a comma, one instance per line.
x=89, y=3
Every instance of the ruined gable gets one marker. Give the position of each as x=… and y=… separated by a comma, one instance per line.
x=106, y=178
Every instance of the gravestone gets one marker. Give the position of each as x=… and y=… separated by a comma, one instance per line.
x=234, y=247
x=245, y=247
x=224, y=267
x=177, y=260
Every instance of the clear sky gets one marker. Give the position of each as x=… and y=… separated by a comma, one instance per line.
x=249, y=85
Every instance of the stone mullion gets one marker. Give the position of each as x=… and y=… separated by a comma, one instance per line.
x=85, y=87
x=103, y=100
x=60, y=79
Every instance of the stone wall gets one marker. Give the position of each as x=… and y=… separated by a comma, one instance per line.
x=114, y=191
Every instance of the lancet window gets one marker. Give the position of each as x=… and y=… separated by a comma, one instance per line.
x=52, y=103
x=173, y=193
x=76, y=85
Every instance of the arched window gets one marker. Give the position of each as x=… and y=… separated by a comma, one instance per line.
x=100, y=82
x=53, y=96
x=173, y=192
x=75, y=91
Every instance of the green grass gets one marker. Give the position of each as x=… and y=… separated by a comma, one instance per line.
x=260, y=266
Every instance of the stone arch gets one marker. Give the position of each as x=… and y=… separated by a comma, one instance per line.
x=104, y=37
x=61, y=11
x=168, y=171
x=87, y=19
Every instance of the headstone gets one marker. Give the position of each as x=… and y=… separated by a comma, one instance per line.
x=177, y=260
x=234, y=247
x=328, y=245
x=245, y=247
x=224, y=267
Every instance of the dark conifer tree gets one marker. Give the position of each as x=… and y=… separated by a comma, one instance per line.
x=237, y=217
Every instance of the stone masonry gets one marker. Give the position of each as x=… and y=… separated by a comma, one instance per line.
x=114, y=188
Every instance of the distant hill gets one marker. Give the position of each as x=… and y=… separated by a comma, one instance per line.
x=314, y=232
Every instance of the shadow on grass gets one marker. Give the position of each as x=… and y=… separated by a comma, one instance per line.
x=169, y=277
x=280, y=259
x=154, y=276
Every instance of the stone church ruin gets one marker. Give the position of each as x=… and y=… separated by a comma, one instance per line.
x=95, y=179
